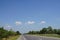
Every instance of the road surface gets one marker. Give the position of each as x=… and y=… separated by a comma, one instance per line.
x=29, y=37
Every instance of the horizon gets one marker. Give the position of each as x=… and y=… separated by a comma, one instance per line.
x=28, y=15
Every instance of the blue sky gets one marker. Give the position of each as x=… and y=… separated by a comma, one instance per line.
x=26, y=15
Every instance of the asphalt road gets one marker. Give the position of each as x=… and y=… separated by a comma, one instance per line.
x=30, y=37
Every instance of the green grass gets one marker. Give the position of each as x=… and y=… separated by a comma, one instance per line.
x=50, y=35
x=12, y=38
x=47, y=35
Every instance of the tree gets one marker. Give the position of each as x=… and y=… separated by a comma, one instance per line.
x=55, y=31
x=49, y=30
x=18, y=33
x=43, y=31
x=32, y=32
x=58, y=32
x=5, y=33
x=1, y=32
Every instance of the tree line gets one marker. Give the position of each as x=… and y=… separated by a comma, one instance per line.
x=5, y=33
x=48, y=30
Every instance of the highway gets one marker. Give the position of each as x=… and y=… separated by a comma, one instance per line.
x=30, y=37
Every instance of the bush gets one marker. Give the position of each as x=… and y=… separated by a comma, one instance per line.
x=5, y=33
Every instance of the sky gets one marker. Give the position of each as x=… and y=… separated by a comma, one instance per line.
x=28, y=15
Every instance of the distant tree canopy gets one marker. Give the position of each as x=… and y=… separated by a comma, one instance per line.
x=48, y=30
x=18, y=33
x=5, y=33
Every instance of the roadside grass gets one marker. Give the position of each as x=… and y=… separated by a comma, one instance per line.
x=12, y=38
x=47, y=35
x=50, y=35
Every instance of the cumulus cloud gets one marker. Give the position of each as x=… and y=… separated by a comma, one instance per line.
x=30, y=22
x=43, y=22
x=7, y=25
x=18, y=23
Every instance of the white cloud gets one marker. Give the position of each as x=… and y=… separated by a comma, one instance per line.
x=43, y=22
x=7, y=25
x=30, y=22
x=18, y=23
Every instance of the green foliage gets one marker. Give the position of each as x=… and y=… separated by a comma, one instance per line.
x=5, y=33
x=43, y=31
x=58, y=32
x=18, y=33
x=48, y=30
x=55, y=31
